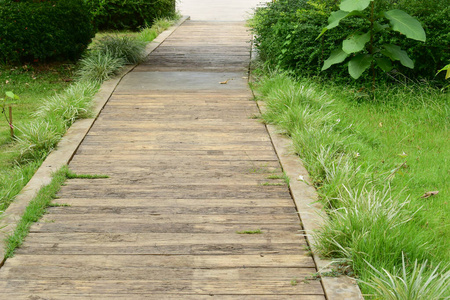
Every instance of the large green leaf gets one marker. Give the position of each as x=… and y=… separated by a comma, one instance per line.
x=358, y=64
x=396, y=53
x=10, y=94
x=405, y=24
x=336, y=17
x=337, y=56
x=384, y=63
x=355, y=43
x=446, y=68
x=351, y=5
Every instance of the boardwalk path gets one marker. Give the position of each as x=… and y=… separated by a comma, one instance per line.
x=188, y=168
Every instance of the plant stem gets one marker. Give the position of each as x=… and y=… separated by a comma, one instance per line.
x=11, y=127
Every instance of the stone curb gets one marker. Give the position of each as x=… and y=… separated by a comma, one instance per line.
x=67, y=147
x=311, y=213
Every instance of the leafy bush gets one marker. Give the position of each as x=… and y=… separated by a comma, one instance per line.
x=44, y=31
x=286, y=32
x=131, y=14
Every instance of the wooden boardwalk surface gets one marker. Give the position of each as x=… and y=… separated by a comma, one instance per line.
x=188, y=169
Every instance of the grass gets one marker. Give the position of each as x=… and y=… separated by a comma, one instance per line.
x=34, y=211
x=32, y=84
x=37, y=207
x=371, y=161
x=257, y=231
x=419, y=283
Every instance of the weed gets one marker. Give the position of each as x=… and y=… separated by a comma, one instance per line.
x=59, y=204
x=294, y=282
x=272, y=184
x=34, y=211
x=72, y=175
x=257, y=231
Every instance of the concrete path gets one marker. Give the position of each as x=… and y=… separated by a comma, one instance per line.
x=218, y=10
x=191, y=176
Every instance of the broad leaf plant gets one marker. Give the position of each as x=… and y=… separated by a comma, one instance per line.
x=361, y=47
x=8, y=100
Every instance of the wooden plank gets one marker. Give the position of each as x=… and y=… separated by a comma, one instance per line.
x=139, y=202
x=28, y=267
x=111, y=240
x=172, y=249
x=252, y=221
x=142, y=296
x=110, y=225
x=168, y=286
x=184, y=261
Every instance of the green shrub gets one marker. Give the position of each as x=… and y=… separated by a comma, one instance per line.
x=131, y=14
x=286, y=32
x=44, y=31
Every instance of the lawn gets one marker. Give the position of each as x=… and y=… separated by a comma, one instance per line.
x=32, y=85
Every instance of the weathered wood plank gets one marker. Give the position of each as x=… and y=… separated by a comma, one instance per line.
x=167, y=286
x=81, y=295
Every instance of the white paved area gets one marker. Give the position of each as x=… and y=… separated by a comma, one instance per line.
x=218, y=10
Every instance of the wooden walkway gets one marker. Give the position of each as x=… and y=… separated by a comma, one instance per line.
x=190, y=170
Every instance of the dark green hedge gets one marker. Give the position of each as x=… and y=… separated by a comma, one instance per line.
x=44, y=30
x=286, y=32
x=129, y=14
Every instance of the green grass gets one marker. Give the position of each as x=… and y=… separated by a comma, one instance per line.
x=35, y=210
x=72, y=175
x=371, y=160
x=32, y=84
x=257, y=231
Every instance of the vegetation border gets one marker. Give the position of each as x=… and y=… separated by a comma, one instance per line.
x=311, y=214
x=67, y=147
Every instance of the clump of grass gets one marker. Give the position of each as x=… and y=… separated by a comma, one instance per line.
x=130, y=49
x=72, y=104
x=422, y=282
x=37, y=139
x=98, y=67
x=34, y=211
x=148, y=34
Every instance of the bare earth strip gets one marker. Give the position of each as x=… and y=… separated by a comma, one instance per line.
x=189, y=171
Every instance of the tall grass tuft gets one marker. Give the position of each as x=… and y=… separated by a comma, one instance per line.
x=37, y=139
x=130, y=49
x=72, y=104
x=422, y=282
x=98, y=67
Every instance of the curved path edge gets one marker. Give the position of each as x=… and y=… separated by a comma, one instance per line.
x=67, y=147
